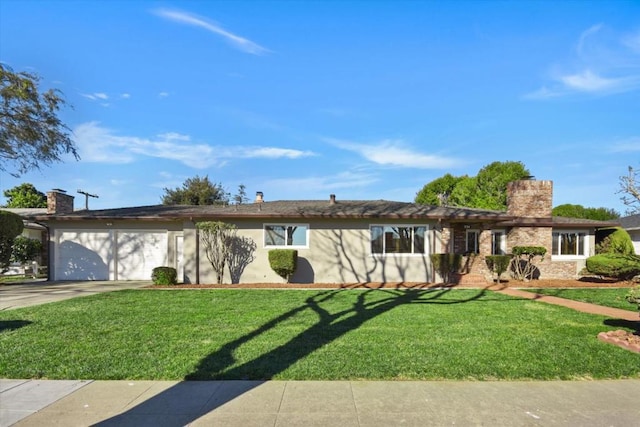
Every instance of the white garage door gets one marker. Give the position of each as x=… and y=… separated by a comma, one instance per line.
x=139, y=252
x=83, y=255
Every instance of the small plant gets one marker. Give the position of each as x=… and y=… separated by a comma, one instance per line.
x=284, y=262
x=498, y=264
x=522, y=266
x=634, y=297
x=446, y=264
x=164, y=276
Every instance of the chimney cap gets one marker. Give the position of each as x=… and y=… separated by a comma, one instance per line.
x=59, y=190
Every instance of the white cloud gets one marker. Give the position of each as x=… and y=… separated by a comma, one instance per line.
x=627, y=145
x=314, y=186
x=96, y=96
x=238, y=42
x=163, y=94
x=100, y=144
x=273, y=153
x=602, y=65
x=125, y=95
x=588, y=81
x=395, y=153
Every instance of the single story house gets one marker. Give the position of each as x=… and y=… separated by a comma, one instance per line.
x=337, y=241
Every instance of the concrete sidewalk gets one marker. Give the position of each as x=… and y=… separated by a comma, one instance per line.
x=42, y=292
x=319, y=403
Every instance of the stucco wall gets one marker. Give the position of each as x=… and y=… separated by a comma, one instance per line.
x=338, y=252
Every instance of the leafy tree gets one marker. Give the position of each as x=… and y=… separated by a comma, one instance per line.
x=217, y=237
x=11, y=226
x=25, y=250
x=241, y=197
x=195, y=191
x=25, y=196
x=31, y=132
x=578, y=211
x=629, y=187
x=487, y=190
x=438, y=191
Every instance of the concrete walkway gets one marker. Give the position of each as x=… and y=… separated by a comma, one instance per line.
x=318, y=403
x=42, y=292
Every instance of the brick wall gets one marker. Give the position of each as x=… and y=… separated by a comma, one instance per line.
x=59, y=202
x=530, y=198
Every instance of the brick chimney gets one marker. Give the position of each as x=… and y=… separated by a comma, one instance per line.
x=59, y=202
x=530, y=198
x=259, y=197
x=332, y=199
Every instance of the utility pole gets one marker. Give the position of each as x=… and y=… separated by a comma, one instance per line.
x=86, y=198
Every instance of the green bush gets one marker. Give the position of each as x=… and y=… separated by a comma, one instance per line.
x=617, y=266
x=25, y=249
x=164, y=276
x=634, y=297
x=10, y=226
x=446, y=264
x=618, y=242
x=284, y=262
x=498, y=263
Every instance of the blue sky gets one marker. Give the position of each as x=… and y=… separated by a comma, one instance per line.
x=363, y=99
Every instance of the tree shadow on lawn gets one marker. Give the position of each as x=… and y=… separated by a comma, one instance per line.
x=10, y=325
x=220, y=364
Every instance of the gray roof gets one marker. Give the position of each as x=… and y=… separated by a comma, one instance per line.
x=313, y=209
x=299, y=209
x=631, y=222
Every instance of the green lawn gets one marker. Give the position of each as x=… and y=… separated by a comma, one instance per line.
x=609, y=297
x=311, y=335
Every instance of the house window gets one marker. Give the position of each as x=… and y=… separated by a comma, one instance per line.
x=285, y=235
x=472, y=241
x=498, y=242
x=569, y=243
x=393, y=239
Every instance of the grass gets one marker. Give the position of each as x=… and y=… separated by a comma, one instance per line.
x=307, y=335
x=609, y=297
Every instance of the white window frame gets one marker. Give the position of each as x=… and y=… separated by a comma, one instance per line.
x=285, y=225
x=401, y=254
x=502, y=244
x=555, y=249
x=468, y=231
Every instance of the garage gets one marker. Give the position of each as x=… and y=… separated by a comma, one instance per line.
x=109, y=254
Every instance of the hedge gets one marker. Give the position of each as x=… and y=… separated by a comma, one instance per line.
x=284, y=262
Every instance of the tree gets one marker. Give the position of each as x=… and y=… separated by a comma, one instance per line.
x=487, y=190
x=11, y=226
x=25, y=196
x=241, y=197
x=629, y=187
x=195, y=191
x=438, y=191
x=31, y=133
x=578, y=211
x=216, y=239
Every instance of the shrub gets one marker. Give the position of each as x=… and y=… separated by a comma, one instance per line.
x=498, y=264
x=164, y=276
x=618, y=242
x=522, y=267
x=634, y=297
x=446, y=264
x=10, y=226
x=284, y=262
x=25, y=249
x=618, y=266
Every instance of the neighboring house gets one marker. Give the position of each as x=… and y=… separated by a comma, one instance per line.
x=337, y=241
x=631, y=224
x=31, y=230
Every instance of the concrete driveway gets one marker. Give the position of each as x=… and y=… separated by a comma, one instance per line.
x=34, y=293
